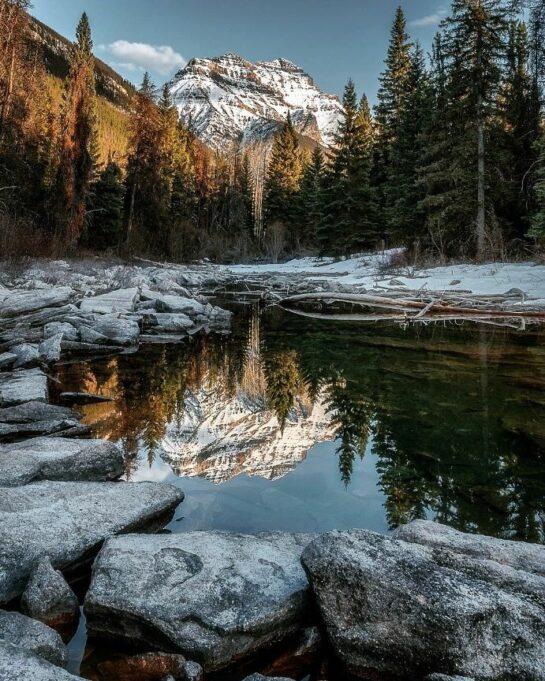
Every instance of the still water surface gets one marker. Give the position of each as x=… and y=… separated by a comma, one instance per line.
x=305, y=425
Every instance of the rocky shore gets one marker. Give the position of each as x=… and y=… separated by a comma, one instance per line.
x=428, y=603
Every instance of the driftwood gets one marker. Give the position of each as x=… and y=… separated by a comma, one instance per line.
x=442, y=306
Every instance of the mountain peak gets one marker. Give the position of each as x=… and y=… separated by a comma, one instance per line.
x=230, y=100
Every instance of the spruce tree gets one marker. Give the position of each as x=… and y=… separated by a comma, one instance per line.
x=105, y=209
x=311, y=196
x=538, y=219
x=282, y=182
x=77, y=130
x=349, y=215
x=395, y=86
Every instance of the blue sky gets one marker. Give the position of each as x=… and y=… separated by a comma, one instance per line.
x=331, y=39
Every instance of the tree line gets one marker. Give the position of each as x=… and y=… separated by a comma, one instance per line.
x=450, y=161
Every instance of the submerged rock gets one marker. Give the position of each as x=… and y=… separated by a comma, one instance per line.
x=68, y=521
x=212, y=596
x=55, y=458
x=48, y=598
x=37, y=418
x=32, y=636
x=21, y=386
x=121, y=300
x=151, y=667
x=408, y=610
x=18, y=664
x=84, y=398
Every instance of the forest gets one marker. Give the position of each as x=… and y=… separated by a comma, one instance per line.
x=450, y=163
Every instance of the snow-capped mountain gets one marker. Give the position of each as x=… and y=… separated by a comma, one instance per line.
x=221, y=437
x=229, y=99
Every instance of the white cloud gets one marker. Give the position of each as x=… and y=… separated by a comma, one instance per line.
x=161, y=59
x=430, y=19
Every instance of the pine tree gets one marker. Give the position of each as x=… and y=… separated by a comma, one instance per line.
x=105, y=209
x=75, y=165
x=282, y=182
x=461, y=172
x=538, y=219
x=395, y=87
x=520, y=131
x=311, y=196
x=403, y=192
x=349, y=219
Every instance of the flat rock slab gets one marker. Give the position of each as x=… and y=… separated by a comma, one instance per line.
x=18, y=302
x=407, y=610
x=110, y=329
x=36, y=418
x=121, y=300
x=212, y=596
x=32, y=636
x=21, y=386
x=57, y=458
x=68, y=521
x=7, y=360
x=17, y=664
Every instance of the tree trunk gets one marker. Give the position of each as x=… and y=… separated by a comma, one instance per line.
x=481, y=208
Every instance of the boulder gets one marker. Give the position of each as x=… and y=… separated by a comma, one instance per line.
x=33, y=636
x=7, y=360
x=170, y=323
x=409, y=610
x=67, y=330
x=21, y=386
x=49, y=350
x=445, y=677
x=175, y=304
x=121, y=300
x=37, y=418
x=27, y=355
x=110, y=330
x=57, y=458
x=68, y=521
x=48, y=598
x=516, y=554
x=260, y=677
x=17, y=302
x=211, y=596
x=17, y=664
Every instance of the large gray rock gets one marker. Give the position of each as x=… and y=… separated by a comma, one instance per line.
x=516, y=554
x=260, y=677
x=37, y=418
x=211, y=596
x=27, y=355
x=67, y=330
x=68, y=521
x=110, y=330
x=17, y=302
x=17, y=664
x=409, y=610
x=21, y=386
x=445, y=677
x=7, y=360
x=48, y=598
x=57, y=458
x=32, y=636
x=176, y=304
x=50, y=348
x=170, y=323
x=121, y=300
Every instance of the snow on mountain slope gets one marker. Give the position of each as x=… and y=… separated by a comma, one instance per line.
x=221, y=437
x=228, y=100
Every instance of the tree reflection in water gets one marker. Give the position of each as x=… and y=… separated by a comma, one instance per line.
x=453, y=418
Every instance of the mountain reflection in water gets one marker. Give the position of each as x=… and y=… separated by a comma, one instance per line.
x=449, y=423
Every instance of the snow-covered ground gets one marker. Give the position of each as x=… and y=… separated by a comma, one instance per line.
x=370, y=271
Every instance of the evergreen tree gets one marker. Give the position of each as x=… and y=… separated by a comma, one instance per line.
x=282, y=181
x=77, y=130
x=310, y=196
x=403, y=192
x=520, y=131
x=461, y=172
x=349, y=219
x=283, y=383
x=395, y=87
x=105, y=209
x=538, y=219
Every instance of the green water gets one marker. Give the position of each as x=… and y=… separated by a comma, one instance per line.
x=291, y=423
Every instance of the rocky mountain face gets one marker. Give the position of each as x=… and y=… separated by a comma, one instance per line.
x=220, y=437
x=229, y=100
